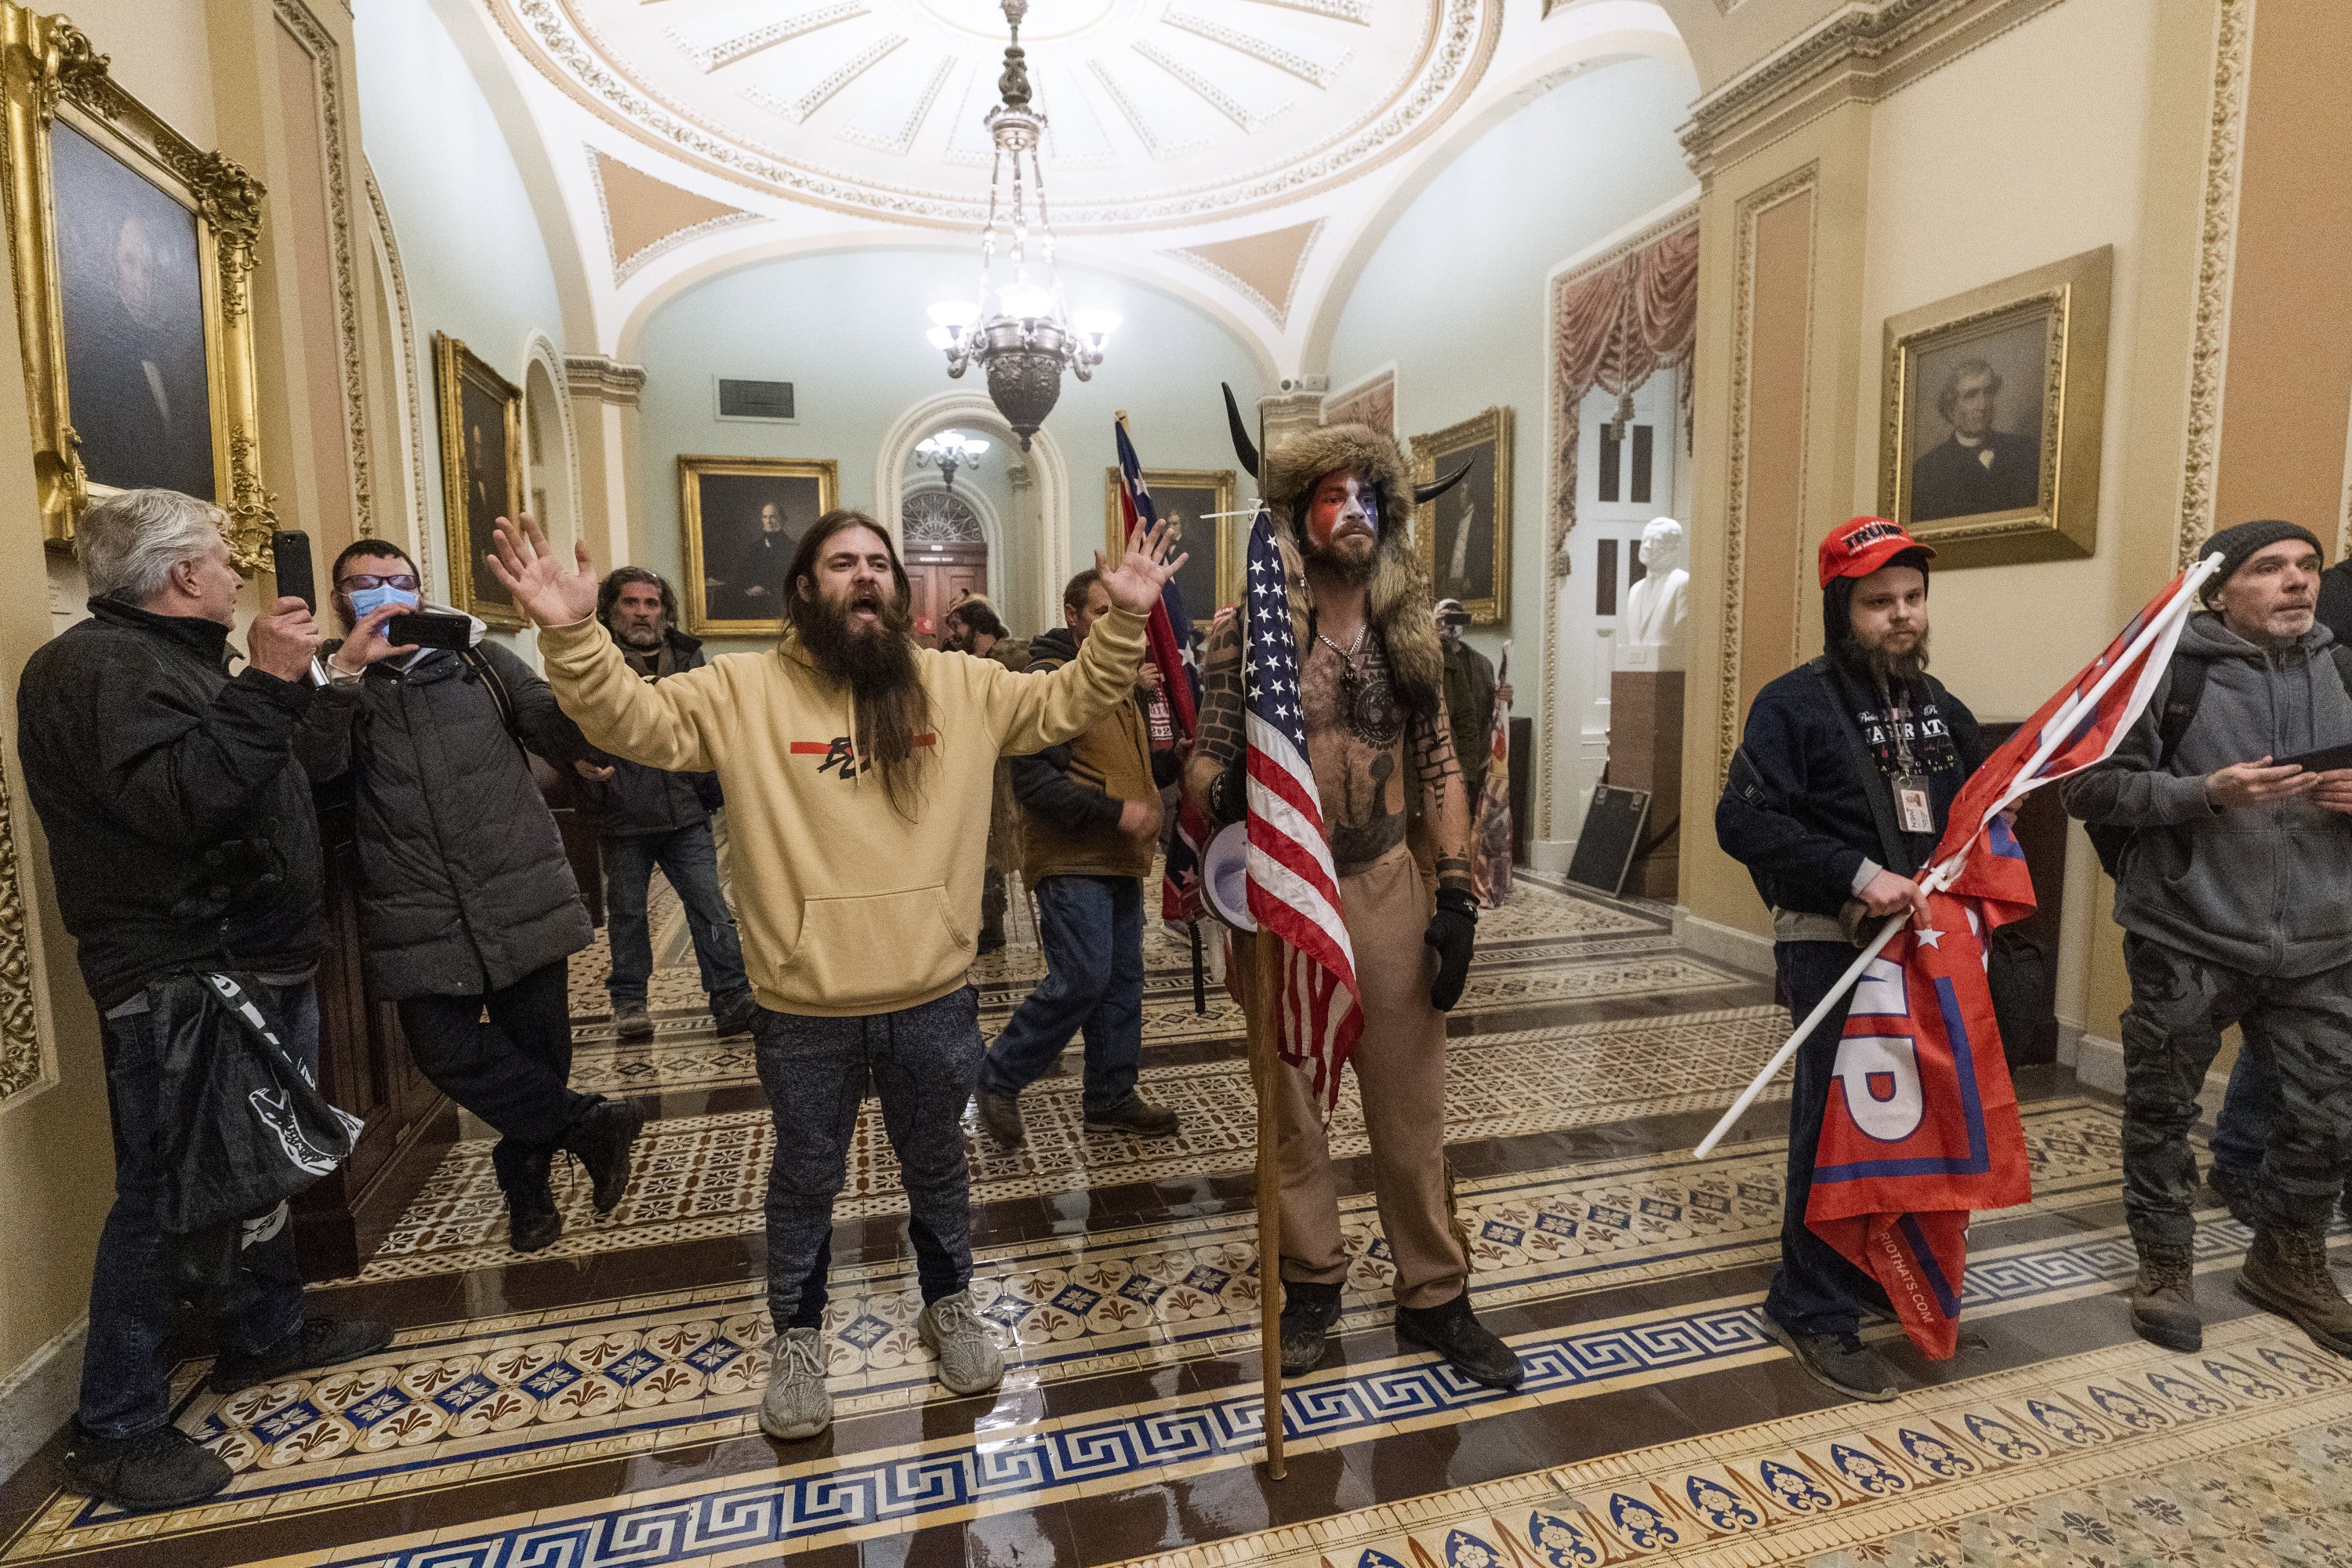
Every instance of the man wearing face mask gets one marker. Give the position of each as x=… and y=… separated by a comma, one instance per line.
x=467, y=902
x=1372, y=685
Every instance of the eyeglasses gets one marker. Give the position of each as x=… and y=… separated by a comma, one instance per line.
x=404, y=581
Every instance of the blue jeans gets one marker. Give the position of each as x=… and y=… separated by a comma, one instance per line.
x=1092, y=931
x=1816, y=1290
x=691, y=860
x=135, y=1285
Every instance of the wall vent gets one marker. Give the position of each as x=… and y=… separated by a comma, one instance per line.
x=755, y=399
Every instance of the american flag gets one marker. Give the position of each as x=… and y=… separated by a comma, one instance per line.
x=1170, y=635
x=1294, y=893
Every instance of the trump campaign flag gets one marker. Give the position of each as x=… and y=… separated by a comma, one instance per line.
x=1922, y=1124
x=1170, y=634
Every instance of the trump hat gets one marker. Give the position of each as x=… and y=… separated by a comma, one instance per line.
x=1862, y=546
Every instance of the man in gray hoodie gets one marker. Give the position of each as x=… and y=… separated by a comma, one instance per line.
x=2234, y=890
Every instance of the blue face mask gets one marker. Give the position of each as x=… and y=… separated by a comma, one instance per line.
x=364, y=600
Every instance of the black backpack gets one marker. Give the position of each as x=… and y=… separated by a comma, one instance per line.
x=2185, y=686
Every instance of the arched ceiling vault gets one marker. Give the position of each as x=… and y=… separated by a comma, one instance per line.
x=1242, y=155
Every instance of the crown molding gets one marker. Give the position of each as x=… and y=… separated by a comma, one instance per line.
x=1860, y=54
x=603, y=380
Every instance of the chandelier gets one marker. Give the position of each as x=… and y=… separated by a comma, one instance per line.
x=949, y=451
x=1029, y=338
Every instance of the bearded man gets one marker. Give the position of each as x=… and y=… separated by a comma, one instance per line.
x=858, y=768
x=1371, y=683
x=1835, y=802
x=649, y=816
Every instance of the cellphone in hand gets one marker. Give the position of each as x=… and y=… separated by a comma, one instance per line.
x=427, y=629
x=289, y=556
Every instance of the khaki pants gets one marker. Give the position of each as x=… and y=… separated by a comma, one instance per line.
x=1399, y=1067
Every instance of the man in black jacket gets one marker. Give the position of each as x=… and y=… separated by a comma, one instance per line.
x=1836, y=798
x=469, y=904
x=649, y=816
x=182, y=841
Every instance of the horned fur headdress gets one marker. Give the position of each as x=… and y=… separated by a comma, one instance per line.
x=1397, y=597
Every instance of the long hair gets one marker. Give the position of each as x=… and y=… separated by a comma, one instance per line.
x=608, y=593
x=891, y=706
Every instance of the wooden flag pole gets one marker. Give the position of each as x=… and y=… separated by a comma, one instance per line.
x=1266, y=983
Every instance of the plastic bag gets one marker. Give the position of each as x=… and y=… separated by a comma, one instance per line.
x=245, y=1127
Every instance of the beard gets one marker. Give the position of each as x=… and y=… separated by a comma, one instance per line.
x=1341, y=562
x=1892, y=669
x=644, y=639
x=873, y=659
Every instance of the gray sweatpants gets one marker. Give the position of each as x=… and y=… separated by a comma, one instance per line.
x=922, y=1062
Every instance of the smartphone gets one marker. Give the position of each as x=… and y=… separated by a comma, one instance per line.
x=289, y=553
x=425, y=628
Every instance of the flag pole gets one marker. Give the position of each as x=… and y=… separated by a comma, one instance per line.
x=2054, y=733
x=1265, y=983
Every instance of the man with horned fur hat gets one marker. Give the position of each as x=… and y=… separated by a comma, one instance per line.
x=1371, y=680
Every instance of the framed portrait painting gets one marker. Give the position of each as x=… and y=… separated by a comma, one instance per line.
x=481, y=473
x=132, y=253
x=1193, y=501
x=1463, y=536
x=1991, y=406
x=743, y=517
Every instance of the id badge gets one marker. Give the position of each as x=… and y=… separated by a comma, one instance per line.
x=1911, y=805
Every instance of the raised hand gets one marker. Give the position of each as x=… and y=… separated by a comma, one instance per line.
x=1135, y=586
x=367, y=643
x=531, y=571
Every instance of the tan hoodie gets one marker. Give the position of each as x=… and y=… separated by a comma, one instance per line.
x=846, y=906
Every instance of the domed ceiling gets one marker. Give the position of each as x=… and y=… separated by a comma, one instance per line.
x=1162, y=113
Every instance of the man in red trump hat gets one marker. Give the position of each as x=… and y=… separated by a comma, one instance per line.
x=1835, y=800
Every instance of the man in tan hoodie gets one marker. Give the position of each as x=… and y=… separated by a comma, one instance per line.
x=858, y=768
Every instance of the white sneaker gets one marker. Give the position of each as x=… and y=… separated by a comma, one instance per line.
x=797, y=1403
x=970, y=1361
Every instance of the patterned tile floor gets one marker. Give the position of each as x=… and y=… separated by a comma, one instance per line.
x=591, y=1406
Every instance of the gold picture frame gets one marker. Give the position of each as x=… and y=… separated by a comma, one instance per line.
x=1476, y=571
x=1179, y=494
x=64, y=107
x=729, y=576
x=481, y=474
x=1981, y=492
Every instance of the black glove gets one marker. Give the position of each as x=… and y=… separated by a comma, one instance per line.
x=1229, y=791
x=1451, y=931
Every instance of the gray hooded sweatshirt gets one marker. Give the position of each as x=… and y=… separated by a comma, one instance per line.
x=2263, y=889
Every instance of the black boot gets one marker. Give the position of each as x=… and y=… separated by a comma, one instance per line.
x=319, y=1341
x=533, y=1221
x=161, y=1468
x=600, y=1139
x=1454, y=1332
x=1307, y=1313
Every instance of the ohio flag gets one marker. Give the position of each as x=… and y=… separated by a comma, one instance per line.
x=1921, y=1127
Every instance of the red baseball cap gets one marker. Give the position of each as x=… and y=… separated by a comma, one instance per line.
x=1862, y=546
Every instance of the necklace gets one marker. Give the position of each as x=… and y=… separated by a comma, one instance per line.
x=1348, y=653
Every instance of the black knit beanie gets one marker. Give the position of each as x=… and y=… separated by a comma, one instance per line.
x=2241, y=542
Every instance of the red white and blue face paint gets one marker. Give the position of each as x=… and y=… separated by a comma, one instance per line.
x=1342, y=505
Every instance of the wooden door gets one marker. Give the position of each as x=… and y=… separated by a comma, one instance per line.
x=936, y=576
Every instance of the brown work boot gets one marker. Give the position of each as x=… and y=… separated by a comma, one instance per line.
x=2164, y=1297
x=2286, y=1272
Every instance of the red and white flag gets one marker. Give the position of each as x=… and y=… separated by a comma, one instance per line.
x=1921, y=1127
x=1294, y=891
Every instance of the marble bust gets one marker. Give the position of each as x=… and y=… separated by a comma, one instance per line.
x=1657, y=607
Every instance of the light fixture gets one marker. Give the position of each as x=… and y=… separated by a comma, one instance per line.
x=948, y=451
x=1028, y=337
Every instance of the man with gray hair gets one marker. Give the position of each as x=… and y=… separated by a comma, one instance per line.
x=1976, y=469
x=182, y=844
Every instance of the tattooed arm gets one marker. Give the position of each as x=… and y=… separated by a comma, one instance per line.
x=1445, y=799
x=1218, y=746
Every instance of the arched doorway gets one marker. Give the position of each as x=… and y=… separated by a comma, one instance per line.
x=946, y=551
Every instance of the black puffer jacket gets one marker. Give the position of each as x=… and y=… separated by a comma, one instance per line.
x=464, y=885
x=639, y=801
x=179, y=820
